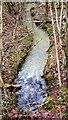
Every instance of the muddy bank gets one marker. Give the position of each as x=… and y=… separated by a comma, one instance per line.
x=15, y=45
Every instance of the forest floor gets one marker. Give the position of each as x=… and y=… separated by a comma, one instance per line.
x=15, y=44
x=55, y=106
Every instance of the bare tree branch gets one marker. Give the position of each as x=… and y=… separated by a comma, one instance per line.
x=61, y=14
x=58, y=26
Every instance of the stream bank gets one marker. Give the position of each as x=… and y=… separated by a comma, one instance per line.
x=16, y=46
x=57, y=100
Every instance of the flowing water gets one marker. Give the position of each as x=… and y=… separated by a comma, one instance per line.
x=33, y=91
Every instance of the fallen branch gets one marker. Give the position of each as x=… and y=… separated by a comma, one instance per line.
x=6, y=85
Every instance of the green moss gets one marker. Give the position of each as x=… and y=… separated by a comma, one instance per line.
x=49, y=106
x=51, y=82
x=65, y=114
x=50, y=31
x=66, y=25
x=47, y=72
x=20, y=64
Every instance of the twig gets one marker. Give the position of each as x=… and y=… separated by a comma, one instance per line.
x=13, y=37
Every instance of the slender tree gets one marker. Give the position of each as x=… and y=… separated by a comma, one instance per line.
x=56, y=47
x=1, y=49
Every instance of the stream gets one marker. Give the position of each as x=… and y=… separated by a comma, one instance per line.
x=33, y=91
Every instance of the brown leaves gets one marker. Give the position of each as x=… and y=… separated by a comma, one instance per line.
x=14, y=113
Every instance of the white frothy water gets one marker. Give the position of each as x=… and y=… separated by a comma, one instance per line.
x=31, y=94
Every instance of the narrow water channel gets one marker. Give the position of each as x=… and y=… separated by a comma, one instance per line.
x=33, y=91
